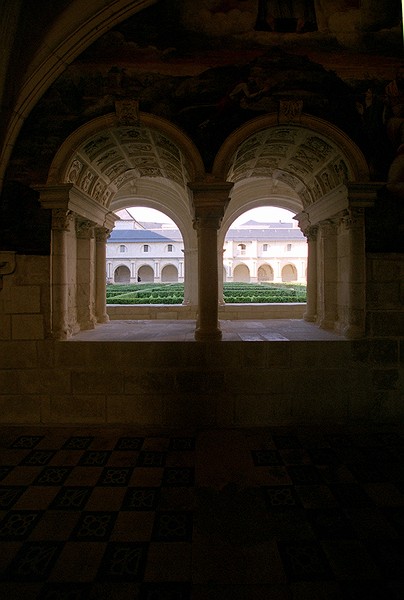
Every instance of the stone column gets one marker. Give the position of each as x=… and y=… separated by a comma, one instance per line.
x=61, y=222
x=311, y=302
x=101, y=236
x=85, y=296
x=210, y=200
x=327, y=300
x=353, y=277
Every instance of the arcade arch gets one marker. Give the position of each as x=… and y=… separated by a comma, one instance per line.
x=122, y=274
x=307, y=166
x=146, y=274
x=169, y=274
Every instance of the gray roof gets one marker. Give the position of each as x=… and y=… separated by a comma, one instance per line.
x=174, y=235
x=137, y=235
x=265, y=234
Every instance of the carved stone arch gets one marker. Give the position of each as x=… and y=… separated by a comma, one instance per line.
x=319, y=169
x=358, y=166
x=62, y=160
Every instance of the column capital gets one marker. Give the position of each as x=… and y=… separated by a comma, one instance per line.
x=102, y=234
x=84, y=229
x=311, y=233
x=210, y=199
x=353, y=218
x=328, y=226
x=62, y=219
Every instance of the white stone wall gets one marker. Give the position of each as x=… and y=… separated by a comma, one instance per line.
x=277, y=256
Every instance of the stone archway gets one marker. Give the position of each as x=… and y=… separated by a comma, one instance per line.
x=289, y=273
x=265, y=273
x=122, y=274
x=146, y=274
x=307, y=165
x=169, y=274
x=97, y=170
x=241, y=274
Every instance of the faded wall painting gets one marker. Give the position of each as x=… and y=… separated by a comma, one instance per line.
x=210, y=66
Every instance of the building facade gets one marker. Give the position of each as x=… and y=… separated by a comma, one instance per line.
x=254, y=252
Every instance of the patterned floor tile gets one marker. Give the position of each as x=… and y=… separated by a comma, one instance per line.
x=182, y=443
x=178, y=476
x=280, y=497
x=137, y=498
x=330, y=524
x=266, y=458
x=17, y=525
x=129, y=443
x=33, y=562
x=304, y=561
x=4, y=471
x=27, y=441
x=9, y=495
x=123, y=561
x=78, y=442
x=38, y=458
x=71, y=498
x=304, y=474
x=94, y=526
x=350, y=494
x=109, y=514
x=350, y=559
x=65, y=591
x=151, y=458
x=95, y=458
x=115, y=476
x=52, y=476
x=172, y=526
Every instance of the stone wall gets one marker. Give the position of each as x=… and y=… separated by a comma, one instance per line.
x=198, y=384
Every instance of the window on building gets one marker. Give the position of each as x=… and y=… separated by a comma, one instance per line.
x=242, y=248
x=170, y=248
x=288, y=247
x=265, y=247
x=123, y=248
x=146, y=248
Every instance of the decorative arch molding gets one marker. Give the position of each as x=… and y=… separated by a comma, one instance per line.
x=73, y=143
x=358, y=167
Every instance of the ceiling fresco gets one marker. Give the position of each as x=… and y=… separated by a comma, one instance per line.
x=212, y=65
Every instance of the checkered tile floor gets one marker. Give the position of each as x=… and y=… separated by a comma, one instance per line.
x=274, y=514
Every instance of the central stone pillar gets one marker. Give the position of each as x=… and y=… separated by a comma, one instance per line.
x=311, y=300
x=210, y=200
x=101, y=236
x=85, y=274
x=328, y=284
x=61, y=224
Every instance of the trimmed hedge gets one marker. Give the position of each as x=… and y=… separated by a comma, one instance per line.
x=233, y=293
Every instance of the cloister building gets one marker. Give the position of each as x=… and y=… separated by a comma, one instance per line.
x=255, y=252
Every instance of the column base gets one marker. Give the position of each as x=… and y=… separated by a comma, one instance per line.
x=207, y=335
x=353, y=332
x=310, y=318
x=103, y=319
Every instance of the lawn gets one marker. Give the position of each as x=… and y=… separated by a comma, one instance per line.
x=234, y=293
